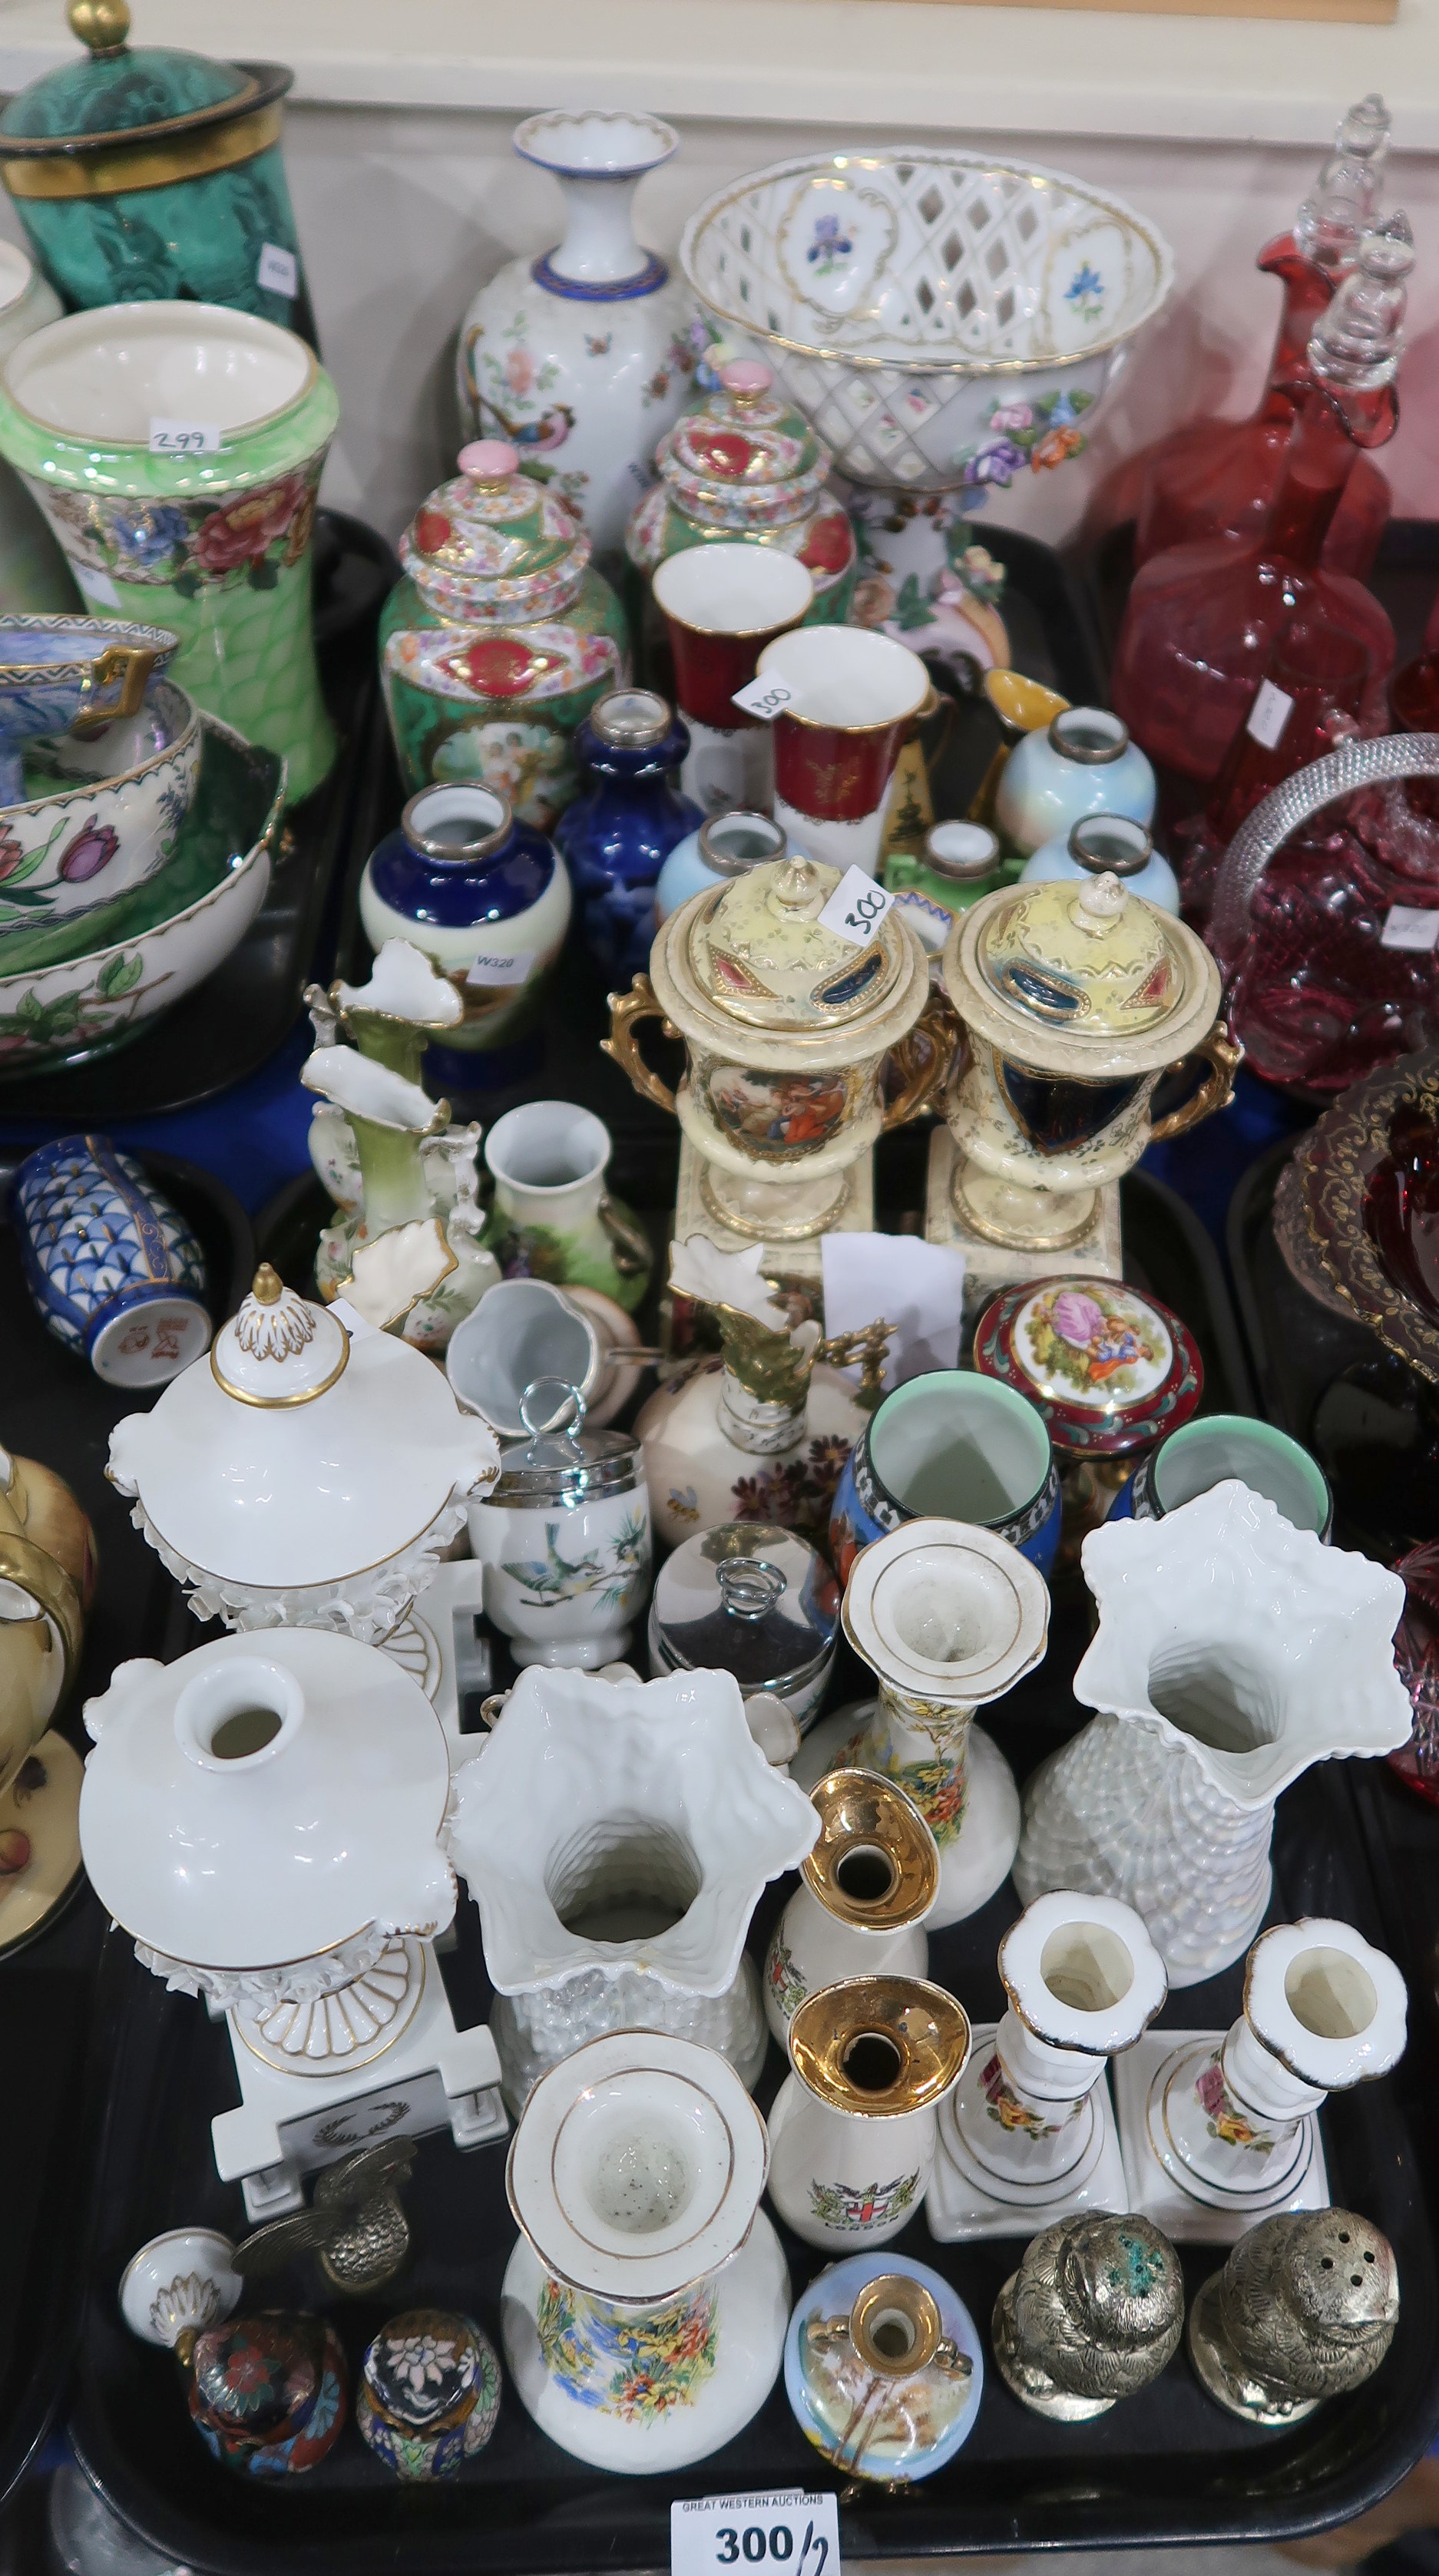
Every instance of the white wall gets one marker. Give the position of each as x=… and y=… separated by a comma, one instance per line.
x=405, y=213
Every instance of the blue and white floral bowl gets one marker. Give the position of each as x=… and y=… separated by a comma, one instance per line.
x=944, y=319
x=110, y=822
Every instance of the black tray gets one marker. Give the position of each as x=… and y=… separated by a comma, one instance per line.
x=56, y=1410
x=1167, y=2467
x=1372, y=1422
x=237, y=1018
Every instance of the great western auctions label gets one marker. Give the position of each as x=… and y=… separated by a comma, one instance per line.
x=786, y=2529
x=764, y=698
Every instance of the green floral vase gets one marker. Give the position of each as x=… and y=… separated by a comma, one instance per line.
x=211, y=539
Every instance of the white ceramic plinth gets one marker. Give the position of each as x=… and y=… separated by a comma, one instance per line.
x=424, y=1643
x=288, y=2126
x=964, y=2201
x=752, y=2313
x=977, y=1863
x=1154, y=2190
x=798, y=1257
x=988, y=1267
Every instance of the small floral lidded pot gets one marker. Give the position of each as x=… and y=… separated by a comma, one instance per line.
x=744, y=464
x=499, y=638
x=429, y=2393
x=267, y=2393
x=1110, y=1370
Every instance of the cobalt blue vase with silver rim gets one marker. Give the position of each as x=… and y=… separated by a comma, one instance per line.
x=616, y=837
x=941, y=1445
x=486, y=898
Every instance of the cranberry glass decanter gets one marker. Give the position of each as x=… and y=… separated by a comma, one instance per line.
x=1216, y=478
x=1203, y=620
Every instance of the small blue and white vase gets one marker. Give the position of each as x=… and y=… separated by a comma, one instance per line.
x=486, y=898
x=1082, y=763
x=1106, y=844
x=883, y=2368
x=941, y=1445
x=429, y=2393
x=1202, y=1453
x=114, y=1271
x=726, y=845
x=617, y=835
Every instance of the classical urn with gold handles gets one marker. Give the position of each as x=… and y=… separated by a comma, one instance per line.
x=1074, y=1000
x=787, y=1025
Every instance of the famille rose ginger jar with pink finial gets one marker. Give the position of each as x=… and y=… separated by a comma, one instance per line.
x=499, y=638
x=744, y=466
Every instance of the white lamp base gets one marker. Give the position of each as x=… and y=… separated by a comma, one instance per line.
x=752, y=2314
x=288, y=2125
x=966, y=2200
x=1154, y=2174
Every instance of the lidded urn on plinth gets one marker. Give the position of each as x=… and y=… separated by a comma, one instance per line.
x=787, y=1026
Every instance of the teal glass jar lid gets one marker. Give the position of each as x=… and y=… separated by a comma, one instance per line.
x=120, y=96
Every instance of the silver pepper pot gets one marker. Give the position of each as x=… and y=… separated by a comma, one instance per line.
x=1305, y=2308
x=1093, y=2314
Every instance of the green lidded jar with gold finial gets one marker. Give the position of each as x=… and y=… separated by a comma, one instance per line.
x=147, y=173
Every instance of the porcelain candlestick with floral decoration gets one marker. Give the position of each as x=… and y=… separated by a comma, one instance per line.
x=852, y=2128
x=583, y=357
x=645, y=2306
x=1232, y=1651
x=214, y=540
x=1220, y=2128
x=764, y=1433
x=1029, y=2138
x=948, y=1617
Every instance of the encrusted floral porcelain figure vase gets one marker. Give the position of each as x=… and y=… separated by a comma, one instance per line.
x=1232, y=1651
x=616, y=1836
x=764, y=1433
x=645, y=2305
x=583, y=356
x=948, y=1617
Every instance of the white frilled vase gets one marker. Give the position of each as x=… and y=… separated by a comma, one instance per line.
x=1232, y=1651
x=1232, y=2121
x=949, y=1617
x=616, y=1836
x=1028, y=2136
x=852, y=2129
x=583, y=357
x=644, y=2307
x=865, y=1889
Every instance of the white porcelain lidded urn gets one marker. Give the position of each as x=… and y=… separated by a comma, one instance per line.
x=645, y=2305
x=1232, y=1651
x=1028, y=2136
x=616, y=1836
x=852, y=2128
x=198, y=1825
x=1227, y=2130
x=293, y=1478
x=787, y=1024
x=948, y=1617
x=866, y=1885
x=583, y=357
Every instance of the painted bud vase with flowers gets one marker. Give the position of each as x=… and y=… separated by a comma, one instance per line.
x=763, y=1432
x=499, y=639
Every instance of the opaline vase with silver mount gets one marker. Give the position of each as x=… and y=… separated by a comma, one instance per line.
x=583, y=358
